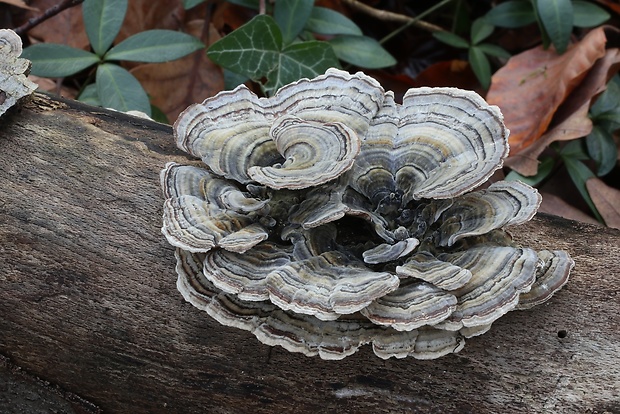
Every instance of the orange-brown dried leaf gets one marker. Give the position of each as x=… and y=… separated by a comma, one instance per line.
x=173, y=86
x=533, y=84
x=19, y=3
x=455, y=73
x=552, y=204
x=571, y=119
x=148, y=14
x=228, y=17
x=613, y=5
x=607, y=201
x=67, y=27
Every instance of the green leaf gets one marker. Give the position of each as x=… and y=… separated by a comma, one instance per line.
x=252, y=50
x=607, y=102
x=493, y=50
x=255, y=51
x=190, y=4
x=329, y=22
x=511, y=14
x=120, y=90
x=480, y=30
x=291, y=16
x=557, y=18
x=159, y=115
x=544, y=169
x=362, y=51
x=574, y=149
x=579, y=174
x=451, y=39
x=301, y=60
x=154, y=46
x=89, y=95
x=232, y=79
x=603, y=150
x=103, y=20
x=56, y=61
x=587, y=14
x=480, y=65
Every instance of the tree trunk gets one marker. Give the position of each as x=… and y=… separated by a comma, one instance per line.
x=88, y=300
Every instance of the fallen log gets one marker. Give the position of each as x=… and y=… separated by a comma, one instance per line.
x=88, y=300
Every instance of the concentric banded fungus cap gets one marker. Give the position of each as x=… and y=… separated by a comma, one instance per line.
x=328, y=217
x=13, y=71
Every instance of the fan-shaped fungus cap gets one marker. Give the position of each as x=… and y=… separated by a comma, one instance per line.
x=328, y=217
x=13, y=71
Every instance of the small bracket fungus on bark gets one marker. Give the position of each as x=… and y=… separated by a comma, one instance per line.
x=328, y=217
x=13, y=71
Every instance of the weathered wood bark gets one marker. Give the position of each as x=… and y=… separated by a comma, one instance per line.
x=88, y=300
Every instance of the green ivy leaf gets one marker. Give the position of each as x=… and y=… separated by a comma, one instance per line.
x=56, y=61
x=493, y=50
x=253, y=50
x=232, y=79
x=557, y=19
x=154, y=46
x=362, y=51
x=451, y=39
x=544, y=169
x=603, y=150
x=480, y=65
x=511, y=14
x=89, y=95
x=291, y=16
x=480, y=30
x=329, y=22
x=301, y=60
x=587, y=14
x=579, y=174
x=120, y=90
x=103, y=20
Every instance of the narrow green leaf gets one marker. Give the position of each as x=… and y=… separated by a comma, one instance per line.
x=56, y=61
x=579, y=174
x=608, y=100
x=603, y=150
x=301, y=60
x=480, y=65
x=480, y=30
x=329, y=22
x=291, y=16
x=511, y=14
x=103, y=20
x=120, y=90
x=557, y=18
x=362, y=51
x=544, y=169
x=154, y=46
x=587, y=14
x=89, y=95
x=574, y=149
x=252, y=50
x=493, y=50
x=158, y=115
x=451, y=39
x=190, y=4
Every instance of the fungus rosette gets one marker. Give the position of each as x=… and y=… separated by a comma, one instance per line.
x=328, y=217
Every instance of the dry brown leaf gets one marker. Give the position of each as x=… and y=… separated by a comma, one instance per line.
x=175, y=85
x=148, y=14
x=532, y=85
x=607, y=201
x=552, y=204
x=19, y=3
x=65, y=28
x=456, y=73
x=571, y=119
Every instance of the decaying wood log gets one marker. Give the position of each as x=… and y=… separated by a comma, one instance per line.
x=88, y=299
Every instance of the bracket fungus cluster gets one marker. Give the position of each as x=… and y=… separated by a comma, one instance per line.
x=328, y=217
x=13, y=71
